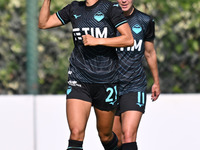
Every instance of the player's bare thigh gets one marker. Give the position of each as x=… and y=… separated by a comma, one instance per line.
x=105, y=123
x=77, y=116
x=130, y=124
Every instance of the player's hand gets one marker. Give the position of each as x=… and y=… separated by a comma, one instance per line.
x=155, y=92
x=89, y=40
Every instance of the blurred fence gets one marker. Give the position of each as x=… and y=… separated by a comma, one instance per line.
x=30, y=122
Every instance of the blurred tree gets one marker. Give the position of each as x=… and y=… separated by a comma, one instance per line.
x=177, y=44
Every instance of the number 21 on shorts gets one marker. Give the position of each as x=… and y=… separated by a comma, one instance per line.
x=112, y=93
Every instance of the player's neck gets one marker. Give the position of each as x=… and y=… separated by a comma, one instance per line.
x=90, y=2
x=129, y=12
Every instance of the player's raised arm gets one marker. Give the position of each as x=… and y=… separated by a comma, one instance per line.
x=46, y=20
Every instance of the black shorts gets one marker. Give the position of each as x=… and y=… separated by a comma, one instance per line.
x=102, y=96
x=135, y=101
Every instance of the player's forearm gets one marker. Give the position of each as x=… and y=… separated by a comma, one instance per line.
x=152, y=62
x=44, y=14
x=155, y=74
x=120, y=41
x=124, y=40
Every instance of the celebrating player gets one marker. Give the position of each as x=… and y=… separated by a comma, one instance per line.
x=132, y=87
x=92, y=74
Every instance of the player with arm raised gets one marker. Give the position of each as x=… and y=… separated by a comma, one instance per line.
x=92, y=74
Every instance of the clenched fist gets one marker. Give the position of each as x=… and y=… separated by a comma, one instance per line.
x=89, y=40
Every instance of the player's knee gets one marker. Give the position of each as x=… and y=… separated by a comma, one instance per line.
x=129, y=136
x=105, y=136
x=77, y=134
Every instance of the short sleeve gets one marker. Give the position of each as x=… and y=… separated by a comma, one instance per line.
x=116, y=15
x=64, y=14
x=150, y=33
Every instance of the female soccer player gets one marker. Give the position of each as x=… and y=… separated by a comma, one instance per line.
x=92, y=74
x=132, y=77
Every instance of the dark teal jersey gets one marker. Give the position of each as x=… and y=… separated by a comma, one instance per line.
x=131, y=73
x=93, y=64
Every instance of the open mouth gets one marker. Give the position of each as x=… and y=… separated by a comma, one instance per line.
x=124, y=6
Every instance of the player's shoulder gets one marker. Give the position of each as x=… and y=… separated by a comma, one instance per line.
x=143, y=15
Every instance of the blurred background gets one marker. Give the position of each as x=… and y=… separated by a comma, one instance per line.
x=36, y=61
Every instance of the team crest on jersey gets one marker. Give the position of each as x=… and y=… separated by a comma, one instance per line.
x=137, y=28
x=99, y=16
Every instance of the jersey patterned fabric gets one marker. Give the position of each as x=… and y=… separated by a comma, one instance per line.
x=93, y=64
x=131, y=73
